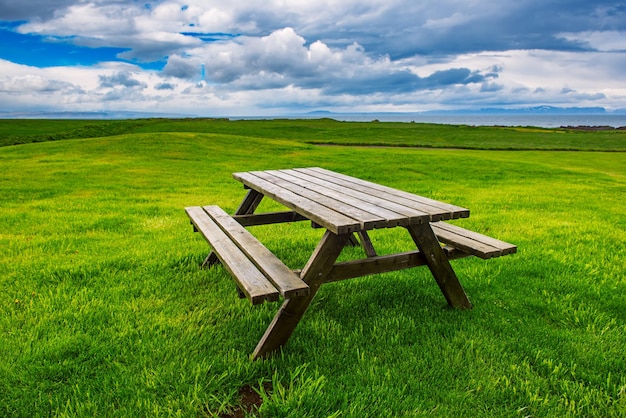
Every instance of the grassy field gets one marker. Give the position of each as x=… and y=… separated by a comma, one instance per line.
x=327, y=131
x=104, y=311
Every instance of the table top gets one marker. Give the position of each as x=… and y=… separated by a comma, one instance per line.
x=344, y=204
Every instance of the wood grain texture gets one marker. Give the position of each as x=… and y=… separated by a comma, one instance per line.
x=472, y=242
x=286, y=281
x=250, y=280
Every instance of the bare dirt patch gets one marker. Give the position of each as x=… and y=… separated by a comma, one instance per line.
x=249, y=402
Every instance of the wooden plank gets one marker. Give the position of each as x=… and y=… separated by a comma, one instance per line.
x=439, y=265
x=357, y=200
x=269, y=218
x=365, y=219
x=433, y=213
x=383, y=264
x=317, y=213
x=472, y=242
x=285, y=280
x=210, y=260
x=353, y=241
x=249, y=279
x=470, y=246
x=429, y=205
x=362, y=193
x=249, y=203
x=436, y=209
x=366, y=243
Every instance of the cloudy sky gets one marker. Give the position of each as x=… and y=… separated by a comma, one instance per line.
x=271, y=57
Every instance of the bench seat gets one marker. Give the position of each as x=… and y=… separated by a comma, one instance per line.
x=259, y=274
x=471, y=242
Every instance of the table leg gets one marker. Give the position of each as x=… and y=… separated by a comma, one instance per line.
x=353, y=241
x=249, y=203
x=366, y=242
x=210, y=260
x=439, y=265
x=292, y=310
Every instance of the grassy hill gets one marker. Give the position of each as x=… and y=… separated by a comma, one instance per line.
x=106, y=312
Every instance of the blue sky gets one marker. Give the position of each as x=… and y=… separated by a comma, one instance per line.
x=246, y=58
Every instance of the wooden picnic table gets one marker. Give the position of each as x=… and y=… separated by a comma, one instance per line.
x=345, y=207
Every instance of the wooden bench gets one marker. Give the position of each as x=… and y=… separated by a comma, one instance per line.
x=470, y=242
x=259, y=274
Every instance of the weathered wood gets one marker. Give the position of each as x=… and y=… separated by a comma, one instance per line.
x=384, y=264
x=324, y=192
x=210, y=259
x=439, y=265
x=249, y=203
x=436, y=209
x=320, y=214
x=365, y=219
x=472, y=242
x=249, y=279
x=366, y=242
x=353, y=241
x=380, y=200
x=288, y=283
x=269, y=218
x=292, y=310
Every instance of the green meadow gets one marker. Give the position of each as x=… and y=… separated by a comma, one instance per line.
x=104, y=310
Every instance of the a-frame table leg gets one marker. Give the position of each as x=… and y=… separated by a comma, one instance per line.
x=249, y=203
x=292, y=310
x=366, y=242
x=439, y=265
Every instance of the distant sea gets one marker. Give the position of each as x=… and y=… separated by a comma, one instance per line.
x=542, y=121
x=554, y=118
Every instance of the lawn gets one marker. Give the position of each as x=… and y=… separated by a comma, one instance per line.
x=105, y=312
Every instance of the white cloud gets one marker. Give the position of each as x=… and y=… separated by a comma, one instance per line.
x=87, y=20
x=535, y=77
x=607, y=41
x=252, y=56
x=29, y=83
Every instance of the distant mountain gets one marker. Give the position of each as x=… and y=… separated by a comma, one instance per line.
x=533, y=110
x=320, y=112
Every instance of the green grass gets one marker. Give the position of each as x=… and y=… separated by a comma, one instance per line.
x=104, y=310
x=327, y=131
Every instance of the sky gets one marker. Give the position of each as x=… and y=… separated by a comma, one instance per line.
x=276, y=57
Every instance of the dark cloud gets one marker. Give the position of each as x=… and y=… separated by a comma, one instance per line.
x=453, y=76
x=12, y=10
x=429, y=28
x=122, y=78
x=399, y=82
x=165, y=86
x=32, y=9
x=491, y=87
x=180, y=67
